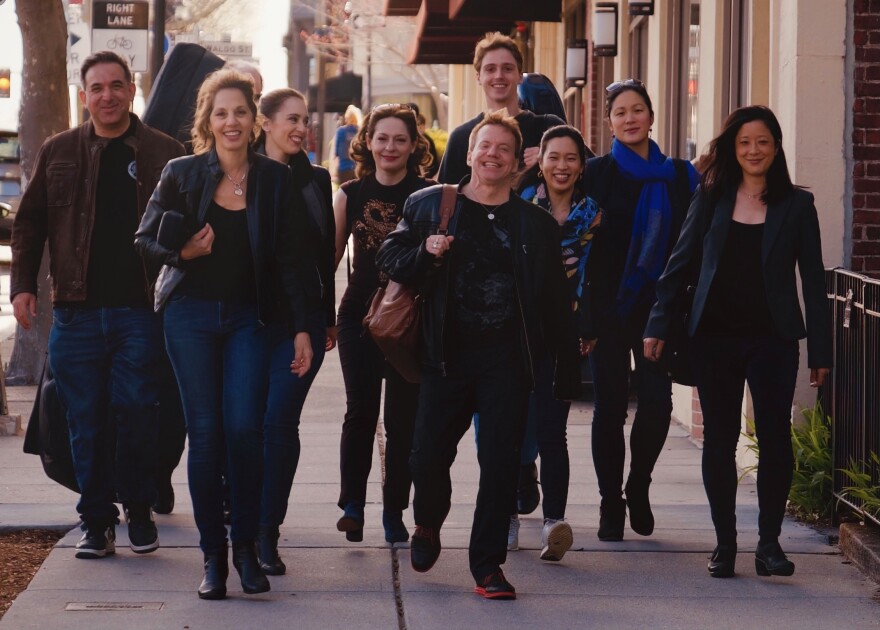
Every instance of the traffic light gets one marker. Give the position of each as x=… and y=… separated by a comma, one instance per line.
x=4, y=83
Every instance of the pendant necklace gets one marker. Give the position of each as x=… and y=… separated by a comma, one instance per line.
x=490, y=210
x=237, y=186
x=757, y=195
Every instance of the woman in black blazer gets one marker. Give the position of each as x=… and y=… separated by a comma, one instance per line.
x=752, y=226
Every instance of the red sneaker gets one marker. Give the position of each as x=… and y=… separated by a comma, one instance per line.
x=495, y=586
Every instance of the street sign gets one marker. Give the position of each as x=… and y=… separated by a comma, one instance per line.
x=79, y=43
x=230, y=49
x=134, y=14
x=122, y=28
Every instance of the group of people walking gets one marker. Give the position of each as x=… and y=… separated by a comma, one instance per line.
x=550, y=256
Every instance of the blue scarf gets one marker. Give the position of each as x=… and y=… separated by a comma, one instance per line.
x=652, y=223
x=583, y=220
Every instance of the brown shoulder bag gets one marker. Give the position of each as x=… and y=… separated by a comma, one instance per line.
x=394, y=317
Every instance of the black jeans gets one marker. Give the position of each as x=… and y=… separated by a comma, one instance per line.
x=769, y=365
x=362, y=369
x=490, y=381
x=610, y=362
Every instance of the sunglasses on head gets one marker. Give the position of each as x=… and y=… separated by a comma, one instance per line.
x=397, y=106
x=612, y=87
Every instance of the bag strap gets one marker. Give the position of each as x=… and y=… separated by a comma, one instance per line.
x=447, y=207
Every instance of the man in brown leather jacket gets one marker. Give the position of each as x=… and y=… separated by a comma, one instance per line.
x=87, y=193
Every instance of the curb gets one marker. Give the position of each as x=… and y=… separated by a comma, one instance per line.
x=861, y=545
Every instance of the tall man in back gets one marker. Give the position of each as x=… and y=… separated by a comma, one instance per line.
x=88, y=190
x=499, y=66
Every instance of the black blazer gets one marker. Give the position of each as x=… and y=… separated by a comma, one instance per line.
x=791, y=237
x=280, y=239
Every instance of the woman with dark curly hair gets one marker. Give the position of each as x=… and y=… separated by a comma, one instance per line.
x=390, y=153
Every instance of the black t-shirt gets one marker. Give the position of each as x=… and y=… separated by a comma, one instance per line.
x=372, y=212
x=483, y=304
x=737, y=302
x=454, y=165
x=227, y=273
x=116, y=275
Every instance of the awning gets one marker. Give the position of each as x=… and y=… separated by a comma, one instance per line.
x=401, y=7
x=519, y=10
x=441, y=40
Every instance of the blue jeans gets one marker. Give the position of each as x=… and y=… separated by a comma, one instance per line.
x=104, y=360
x=220, y=354
x=610, y=362
x=287, y=395
x=547, y=423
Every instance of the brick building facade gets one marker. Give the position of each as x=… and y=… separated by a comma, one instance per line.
x=866, y=139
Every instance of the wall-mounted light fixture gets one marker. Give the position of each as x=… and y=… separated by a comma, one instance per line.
x=605, y=15
x=641, y=7
x=576, y=63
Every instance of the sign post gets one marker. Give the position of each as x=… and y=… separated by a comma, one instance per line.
x=123, y=28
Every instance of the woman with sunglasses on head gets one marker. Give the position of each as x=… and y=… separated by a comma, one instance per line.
x=747, y=229
x=390, y=153
x=219, y=291
x=285, y=126
x=644, y=196
x=561, y=159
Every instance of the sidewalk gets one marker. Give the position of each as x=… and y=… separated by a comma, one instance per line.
x=656, y=582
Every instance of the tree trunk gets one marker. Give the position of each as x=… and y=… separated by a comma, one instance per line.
x=44, y=112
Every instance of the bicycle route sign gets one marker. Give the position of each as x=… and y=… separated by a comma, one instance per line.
x=123, y=28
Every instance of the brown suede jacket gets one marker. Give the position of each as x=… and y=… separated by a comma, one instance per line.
x=59, y=204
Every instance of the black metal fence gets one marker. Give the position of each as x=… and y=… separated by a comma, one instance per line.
x=853, y=397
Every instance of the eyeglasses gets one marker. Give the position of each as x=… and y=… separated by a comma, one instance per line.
x=613, y=87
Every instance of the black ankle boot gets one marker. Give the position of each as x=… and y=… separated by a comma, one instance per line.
x=267, y=550
x=771, y=560
x=213, y=585
x=723, y=561
x=612, y=513
x=244, y=559
x=641, y=519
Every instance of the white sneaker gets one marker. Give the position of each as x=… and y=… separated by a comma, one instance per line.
x=513, y=534
x=556, y=539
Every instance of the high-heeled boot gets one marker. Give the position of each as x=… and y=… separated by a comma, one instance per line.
x=267, y=550
x=244, y=559
x=213, y=584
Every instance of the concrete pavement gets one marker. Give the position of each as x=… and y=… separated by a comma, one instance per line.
x=655, y=582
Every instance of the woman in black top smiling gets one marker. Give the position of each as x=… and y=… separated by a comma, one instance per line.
x=644, y=196
x=390, y=153
x=246, y=249
x=755, y=227
x=285, y=124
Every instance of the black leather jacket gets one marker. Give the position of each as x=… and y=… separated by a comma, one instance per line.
x=312, y=191
x=283, y=259
x=542, y=293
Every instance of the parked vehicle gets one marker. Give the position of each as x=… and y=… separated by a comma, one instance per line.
x=10, y=182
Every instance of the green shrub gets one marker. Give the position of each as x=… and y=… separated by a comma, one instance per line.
x=810, y=497
x=863, y=490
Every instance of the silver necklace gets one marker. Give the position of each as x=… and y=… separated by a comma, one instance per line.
x=237, y=186
x=490, y=213
x=753, y=197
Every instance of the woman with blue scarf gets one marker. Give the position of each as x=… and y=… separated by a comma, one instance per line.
x=561, y=160
x=644, y=196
